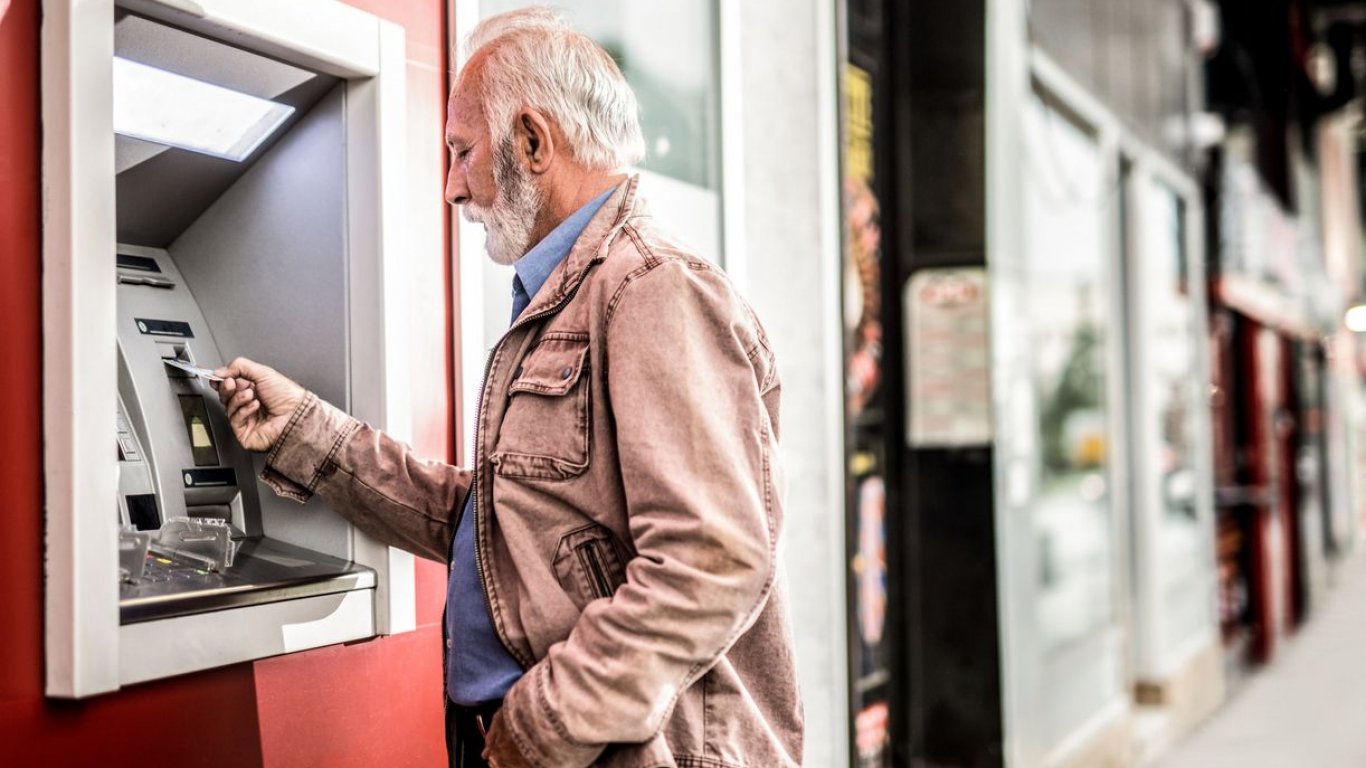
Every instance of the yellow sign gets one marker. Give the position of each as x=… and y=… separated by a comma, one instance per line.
x=858, y=123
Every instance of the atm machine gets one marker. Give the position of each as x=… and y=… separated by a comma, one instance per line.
x=190, y=512
x=254, y=209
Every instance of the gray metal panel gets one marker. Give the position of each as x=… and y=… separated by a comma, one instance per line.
x=267, y=263
x=153, y=397
x=161, y=190
x=158, y=197
x=135, y=471
x=129, y=152
x=174, y=50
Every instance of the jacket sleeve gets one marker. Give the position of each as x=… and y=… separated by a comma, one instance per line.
x=695, y=445
x=369, y=478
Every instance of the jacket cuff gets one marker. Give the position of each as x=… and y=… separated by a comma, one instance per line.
x=537, y=731
x=307, y=447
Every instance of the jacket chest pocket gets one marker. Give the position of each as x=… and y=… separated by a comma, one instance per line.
x=544, y=433
x=589, y=564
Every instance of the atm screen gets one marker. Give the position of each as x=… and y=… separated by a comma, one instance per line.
x=197, y=426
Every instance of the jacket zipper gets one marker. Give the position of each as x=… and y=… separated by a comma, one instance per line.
x=592, y=561
x=474, y=464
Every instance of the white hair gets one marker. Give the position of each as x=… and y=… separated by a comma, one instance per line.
x=536, y=60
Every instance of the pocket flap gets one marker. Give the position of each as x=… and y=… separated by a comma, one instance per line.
x=552, y=368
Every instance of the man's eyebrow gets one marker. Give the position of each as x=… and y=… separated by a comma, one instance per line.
x=457, y=143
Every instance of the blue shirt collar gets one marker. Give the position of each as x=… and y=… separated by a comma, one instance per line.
x=535, y=267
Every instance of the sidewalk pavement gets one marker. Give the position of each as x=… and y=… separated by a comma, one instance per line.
x=1308, y=708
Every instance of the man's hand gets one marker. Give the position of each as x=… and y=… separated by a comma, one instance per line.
x=259, y=401
x=499, y=749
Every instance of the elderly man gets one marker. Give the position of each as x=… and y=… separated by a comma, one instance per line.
x=613, y=597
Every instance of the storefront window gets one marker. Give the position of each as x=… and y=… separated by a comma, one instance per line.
x=1068, y=330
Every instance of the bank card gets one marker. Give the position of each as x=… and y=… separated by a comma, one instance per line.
x=203, y=373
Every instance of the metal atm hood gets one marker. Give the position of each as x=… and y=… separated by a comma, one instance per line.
x=160, y=189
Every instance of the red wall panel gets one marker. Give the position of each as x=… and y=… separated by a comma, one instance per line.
x=20, y=353
x=363, y=704
x=207, y=720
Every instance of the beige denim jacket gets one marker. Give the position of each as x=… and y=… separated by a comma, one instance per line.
x=629, y=496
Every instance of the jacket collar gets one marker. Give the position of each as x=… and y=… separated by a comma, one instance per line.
x=589, y=249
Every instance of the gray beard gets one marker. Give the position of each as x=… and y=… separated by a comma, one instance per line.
x=509, y=221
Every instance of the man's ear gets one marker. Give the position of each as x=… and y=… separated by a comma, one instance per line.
x=535, y=140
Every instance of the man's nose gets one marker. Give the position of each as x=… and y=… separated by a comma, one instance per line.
x=456, y=191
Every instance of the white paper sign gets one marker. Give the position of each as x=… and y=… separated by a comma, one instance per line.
x=948, y=358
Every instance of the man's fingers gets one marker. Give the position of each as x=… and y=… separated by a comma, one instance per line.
x=226, y=388
x=244, y=368
x=230, y=386
x=243, y=414
x=241, y=421
x=230, y=371
x=242, y=372
x=240, y=400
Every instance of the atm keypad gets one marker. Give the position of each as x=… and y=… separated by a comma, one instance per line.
x=128, y=450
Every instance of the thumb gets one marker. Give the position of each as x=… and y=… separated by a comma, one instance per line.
x=243, y=368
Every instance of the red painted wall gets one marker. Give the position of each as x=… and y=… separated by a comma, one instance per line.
x=370, y=703
x=19, y=291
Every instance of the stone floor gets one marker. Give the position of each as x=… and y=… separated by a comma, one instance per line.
x=1308, y=708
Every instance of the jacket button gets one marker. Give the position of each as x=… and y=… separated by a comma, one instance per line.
x=567, y=372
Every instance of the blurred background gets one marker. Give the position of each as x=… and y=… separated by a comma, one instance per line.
x=1067, y=297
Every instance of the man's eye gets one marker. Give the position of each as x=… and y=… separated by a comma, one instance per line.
x=462, y=154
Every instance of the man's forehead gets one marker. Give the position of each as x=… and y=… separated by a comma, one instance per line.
x=464, y=108
x=464, y=112
x=463, y=116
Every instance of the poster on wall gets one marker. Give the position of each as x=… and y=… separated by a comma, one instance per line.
x=870, y=564
x=862, y=251
x=948, y=358
x=865, y=393
x=872, y=735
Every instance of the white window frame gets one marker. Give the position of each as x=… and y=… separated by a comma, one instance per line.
x=87, y=650
x=1152, y=662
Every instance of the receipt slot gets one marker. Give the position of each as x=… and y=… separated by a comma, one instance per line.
x=223, y=180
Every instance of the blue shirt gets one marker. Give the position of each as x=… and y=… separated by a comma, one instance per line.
x=478, y=666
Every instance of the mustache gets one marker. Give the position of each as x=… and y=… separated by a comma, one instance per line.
x=475, y=214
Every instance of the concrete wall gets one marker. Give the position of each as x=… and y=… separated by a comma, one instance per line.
x=790, y=272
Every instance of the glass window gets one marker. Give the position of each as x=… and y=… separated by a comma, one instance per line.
x=1068, y=329
x=669, y=52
